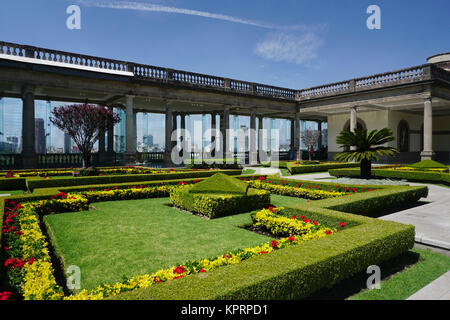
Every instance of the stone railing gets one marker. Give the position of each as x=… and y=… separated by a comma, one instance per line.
x=62, y=57
x=381, y=80
x=185, y=78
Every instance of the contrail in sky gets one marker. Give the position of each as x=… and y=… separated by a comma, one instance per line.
x=140, y=6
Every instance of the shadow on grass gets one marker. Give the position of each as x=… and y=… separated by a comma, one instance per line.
x=357, y=283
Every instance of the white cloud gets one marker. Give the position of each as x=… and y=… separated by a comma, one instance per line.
x=140, y=6
x=298, y=49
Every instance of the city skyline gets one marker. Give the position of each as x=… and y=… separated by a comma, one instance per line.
x=54, y=138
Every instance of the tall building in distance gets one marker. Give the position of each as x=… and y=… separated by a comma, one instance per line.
x=39, y=133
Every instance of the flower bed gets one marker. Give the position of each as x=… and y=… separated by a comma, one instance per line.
x=297, y=191
x=285, y=276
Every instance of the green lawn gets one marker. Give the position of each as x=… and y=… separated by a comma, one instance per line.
x=12, y=192
x=402, y=285
x=125, y=238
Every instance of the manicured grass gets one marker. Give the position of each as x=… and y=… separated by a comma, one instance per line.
x=402, y=285
x=248, y=171
x=117, y=240
x=12, y=192
x=284, y=201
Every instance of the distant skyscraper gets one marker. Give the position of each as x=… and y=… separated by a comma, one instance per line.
x=67, y=143
x=39, y=133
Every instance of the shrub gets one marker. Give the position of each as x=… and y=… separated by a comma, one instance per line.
x=86, y=172
x=13, y=184
x=66, y=182
x=305, y=193
x=216, y=205
x=413, y=175
x=295, y=168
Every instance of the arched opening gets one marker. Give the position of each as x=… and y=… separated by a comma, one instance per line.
x=403, y=136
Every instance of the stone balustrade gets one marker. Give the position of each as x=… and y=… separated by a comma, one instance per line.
x=185, y=78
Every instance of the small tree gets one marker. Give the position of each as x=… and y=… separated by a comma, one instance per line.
x=84, y=123
x=310, y=139
x=367, y=147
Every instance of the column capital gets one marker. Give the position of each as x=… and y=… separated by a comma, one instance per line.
x=428, y=99
x=26, y=89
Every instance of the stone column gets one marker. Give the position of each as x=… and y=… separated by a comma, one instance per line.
x=260, y=136
x=168, y=135
x=130, y=150
x=292, y=151
x=298, y=151
x=319, y=128
x=253, y=154
x=213, y=134
x=427, y=153
x=110, y=158
x=29, y=157
x=183, y=140
x=353, y=122
x=101, y=148
x=224, y=127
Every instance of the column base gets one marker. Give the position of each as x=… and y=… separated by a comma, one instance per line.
x=427, y=155
x=130, y=159
x=253, y=158
x=168, y=160
x=29, y=161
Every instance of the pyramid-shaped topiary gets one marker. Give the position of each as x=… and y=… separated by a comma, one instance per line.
x=428, y=164
x=220, y=184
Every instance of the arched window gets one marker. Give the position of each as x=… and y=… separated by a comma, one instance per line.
x=403, y=136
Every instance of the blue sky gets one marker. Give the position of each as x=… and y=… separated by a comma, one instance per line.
x=290, y=43
x=302, y=43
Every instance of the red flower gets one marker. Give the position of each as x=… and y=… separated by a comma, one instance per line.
x=202, y=270
x=302, y=217
x=315, y=223
x=305, y=220
x=294, y=217
x=342, y=224
x=6, y=295
x=291, y=238
x=271, y=208
x=328, y=232
x=179, y=270
x=353, y=189
x=263, y=252
x=31, y=260
x=274, y=243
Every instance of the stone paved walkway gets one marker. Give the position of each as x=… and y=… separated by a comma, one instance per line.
x=439, y=289
x=432, y=219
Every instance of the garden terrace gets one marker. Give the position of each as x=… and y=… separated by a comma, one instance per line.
x=291, y=270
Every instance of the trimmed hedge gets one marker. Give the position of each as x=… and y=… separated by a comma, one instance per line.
x=216, y=205
x=66, y=182
x=296, y=169
x=13, y=183
x=294, y=272
x=372, y=203
x=412, y=175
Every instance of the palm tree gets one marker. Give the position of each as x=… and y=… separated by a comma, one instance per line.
x=363, y=147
